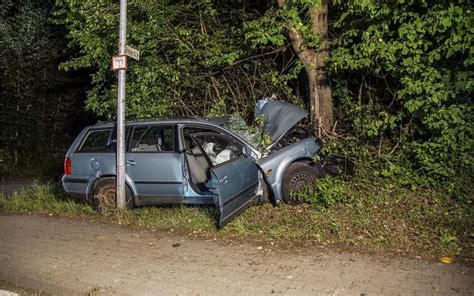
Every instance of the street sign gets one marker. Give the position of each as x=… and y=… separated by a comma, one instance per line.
x=132, y=52
x=119, y=62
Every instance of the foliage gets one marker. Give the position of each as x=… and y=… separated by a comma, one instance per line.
x=272, y=27
x=38, y=103
x=327, y=192
x=330, y=191
x=193, y=60
x=403, y=72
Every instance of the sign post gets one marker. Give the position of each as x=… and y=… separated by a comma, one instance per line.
x=120, y=186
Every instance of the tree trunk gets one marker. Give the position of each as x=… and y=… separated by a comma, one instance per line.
x=314, y=61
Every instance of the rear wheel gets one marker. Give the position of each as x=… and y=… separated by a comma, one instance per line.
x=104, y=197
x=296, y=179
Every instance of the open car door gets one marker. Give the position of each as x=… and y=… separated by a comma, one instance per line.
x=235, y=184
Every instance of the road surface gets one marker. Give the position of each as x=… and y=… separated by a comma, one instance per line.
x=70, y=256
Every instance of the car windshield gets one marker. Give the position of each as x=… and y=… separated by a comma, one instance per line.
x=237, y=125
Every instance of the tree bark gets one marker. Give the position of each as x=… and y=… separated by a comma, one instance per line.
x=314, y=61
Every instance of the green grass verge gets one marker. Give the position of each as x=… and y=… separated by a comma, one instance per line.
x=357, y=215
x=44, y=199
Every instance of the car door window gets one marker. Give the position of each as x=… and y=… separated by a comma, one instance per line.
x=219, y=148
x=152, y=139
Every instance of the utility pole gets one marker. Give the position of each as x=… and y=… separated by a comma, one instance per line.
x=120, y=186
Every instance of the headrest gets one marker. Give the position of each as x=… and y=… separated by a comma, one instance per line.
x=196, y=150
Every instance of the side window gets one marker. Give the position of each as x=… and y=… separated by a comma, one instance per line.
x=219, y=148
x=113, y=138
x=152, y=138
x=97, y=141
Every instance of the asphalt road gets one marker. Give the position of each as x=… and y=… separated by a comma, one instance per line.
x=68, y=256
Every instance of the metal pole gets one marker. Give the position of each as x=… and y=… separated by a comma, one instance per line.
x=121, y=110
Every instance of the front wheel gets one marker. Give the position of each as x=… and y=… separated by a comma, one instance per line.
x=297, y=177
x=104, y=197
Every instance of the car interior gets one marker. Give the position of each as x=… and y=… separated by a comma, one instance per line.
x=152, y=139
x=204, y=150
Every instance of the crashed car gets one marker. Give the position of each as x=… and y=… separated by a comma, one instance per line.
x=196, y=161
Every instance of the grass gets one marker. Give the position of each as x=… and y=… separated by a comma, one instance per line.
x=367, y=218
x=44, y=199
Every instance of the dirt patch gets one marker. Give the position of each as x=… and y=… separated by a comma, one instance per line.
x=77, y=256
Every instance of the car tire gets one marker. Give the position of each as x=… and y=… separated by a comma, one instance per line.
x=104, y=197
x=297, y=176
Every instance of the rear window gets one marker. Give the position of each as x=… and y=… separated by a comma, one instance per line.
x=98, y=141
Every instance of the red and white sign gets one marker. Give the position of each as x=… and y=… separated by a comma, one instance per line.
x=119, y=62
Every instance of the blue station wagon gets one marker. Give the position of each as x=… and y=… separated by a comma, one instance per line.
x=196, y=161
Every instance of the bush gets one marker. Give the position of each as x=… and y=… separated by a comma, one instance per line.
x=327, y=192
x=403, y=77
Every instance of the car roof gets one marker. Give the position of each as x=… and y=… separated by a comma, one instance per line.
x=209, y=121
x=169, y=120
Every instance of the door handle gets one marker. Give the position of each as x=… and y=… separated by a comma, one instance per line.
x=130, y=162
x=224, y=180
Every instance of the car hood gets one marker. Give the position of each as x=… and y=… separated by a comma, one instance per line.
x=279, y=117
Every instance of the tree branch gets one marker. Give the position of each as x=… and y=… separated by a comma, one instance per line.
x=280, y=49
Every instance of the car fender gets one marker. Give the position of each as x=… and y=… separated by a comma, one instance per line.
x=93, y=180
x=275, y=164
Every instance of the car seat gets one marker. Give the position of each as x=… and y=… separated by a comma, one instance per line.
x=198, y=167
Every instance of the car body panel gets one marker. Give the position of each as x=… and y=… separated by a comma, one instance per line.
x=158, y=177
x=81, y=182
x=275, y=164
x=76, y=187
x=235, y=184
x=88, y=167
x=76, y=184
x=279, y=117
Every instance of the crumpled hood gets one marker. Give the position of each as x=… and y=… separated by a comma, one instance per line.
x=279, y=117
